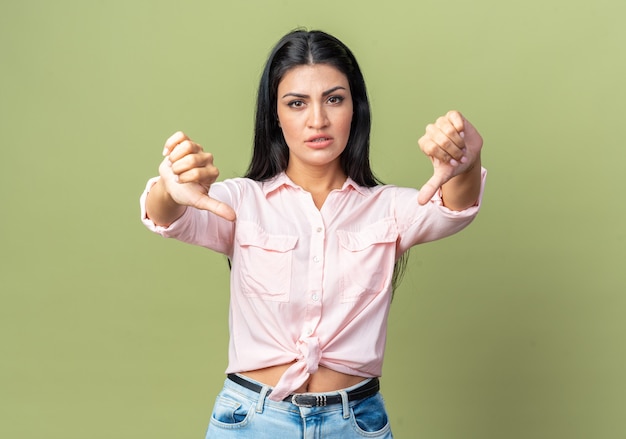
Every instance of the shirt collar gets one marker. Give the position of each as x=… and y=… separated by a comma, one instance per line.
x=281, y=179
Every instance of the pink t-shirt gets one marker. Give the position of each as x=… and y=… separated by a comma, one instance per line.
x=310, y=286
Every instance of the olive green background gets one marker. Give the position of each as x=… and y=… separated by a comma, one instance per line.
x=512, y=329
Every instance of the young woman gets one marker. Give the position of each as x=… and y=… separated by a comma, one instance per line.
x=315, y=243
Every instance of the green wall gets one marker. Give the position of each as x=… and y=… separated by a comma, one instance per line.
x=512, y=329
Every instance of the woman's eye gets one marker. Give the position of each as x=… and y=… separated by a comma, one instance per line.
x=296, y=104
x=335, y=99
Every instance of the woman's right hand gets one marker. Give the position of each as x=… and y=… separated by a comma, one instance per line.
x=187, y=173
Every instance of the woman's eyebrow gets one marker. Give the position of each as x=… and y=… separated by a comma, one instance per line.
x=303, y=96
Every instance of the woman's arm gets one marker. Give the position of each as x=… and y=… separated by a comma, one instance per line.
x=161, y=207
x=187, y=173
x=462, y=191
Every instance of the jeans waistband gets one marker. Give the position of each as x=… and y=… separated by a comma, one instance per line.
x=370, y=388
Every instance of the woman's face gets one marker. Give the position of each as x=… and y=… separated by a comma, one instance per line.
x=314, y=108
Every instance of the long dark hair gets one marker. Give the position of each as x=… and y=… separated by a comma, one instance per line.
x=300, y=47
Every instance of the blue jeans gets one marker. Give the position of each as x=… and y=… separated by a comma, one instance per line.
x=241, y=413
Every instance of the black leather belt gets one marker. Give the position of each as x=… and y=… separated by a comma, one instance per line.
x=315, y=399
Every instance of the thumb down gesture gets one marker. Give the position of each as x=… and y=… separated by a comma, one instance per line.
x=188, y=172
x=453, y=145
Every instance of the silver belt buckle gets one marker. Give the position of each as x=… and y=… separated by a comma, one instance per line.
x=308, y=401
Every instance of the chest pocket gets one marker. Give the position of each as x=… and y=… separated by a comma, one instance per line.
x=265, y=262
x=367, y=259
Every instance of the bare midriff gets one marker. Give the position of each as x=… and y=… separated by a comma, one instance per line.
x=324, y=380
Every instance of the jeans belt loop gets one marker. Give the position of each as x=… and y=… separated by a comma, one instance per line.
x=344, y=404
x=261, y=402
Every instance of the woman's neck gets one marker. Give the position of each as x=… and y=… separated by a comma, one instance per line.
x=319, y=182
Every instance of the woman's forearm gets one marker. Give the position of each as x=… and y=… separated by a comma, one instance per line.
x=463, y=191
x=160, y=207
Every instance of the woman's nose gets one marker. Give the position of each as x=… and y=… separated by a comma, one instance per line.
x=318, y=117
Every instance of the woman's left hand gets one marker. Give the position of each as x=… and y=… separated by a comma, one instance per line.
x=453, y=145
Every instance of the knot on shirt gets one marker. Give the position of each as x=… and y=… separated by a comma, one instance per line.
x=310, y=353
x=309, y=356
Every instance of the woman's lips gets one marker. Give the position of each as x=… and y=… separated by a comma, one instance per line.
x=319, y=141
